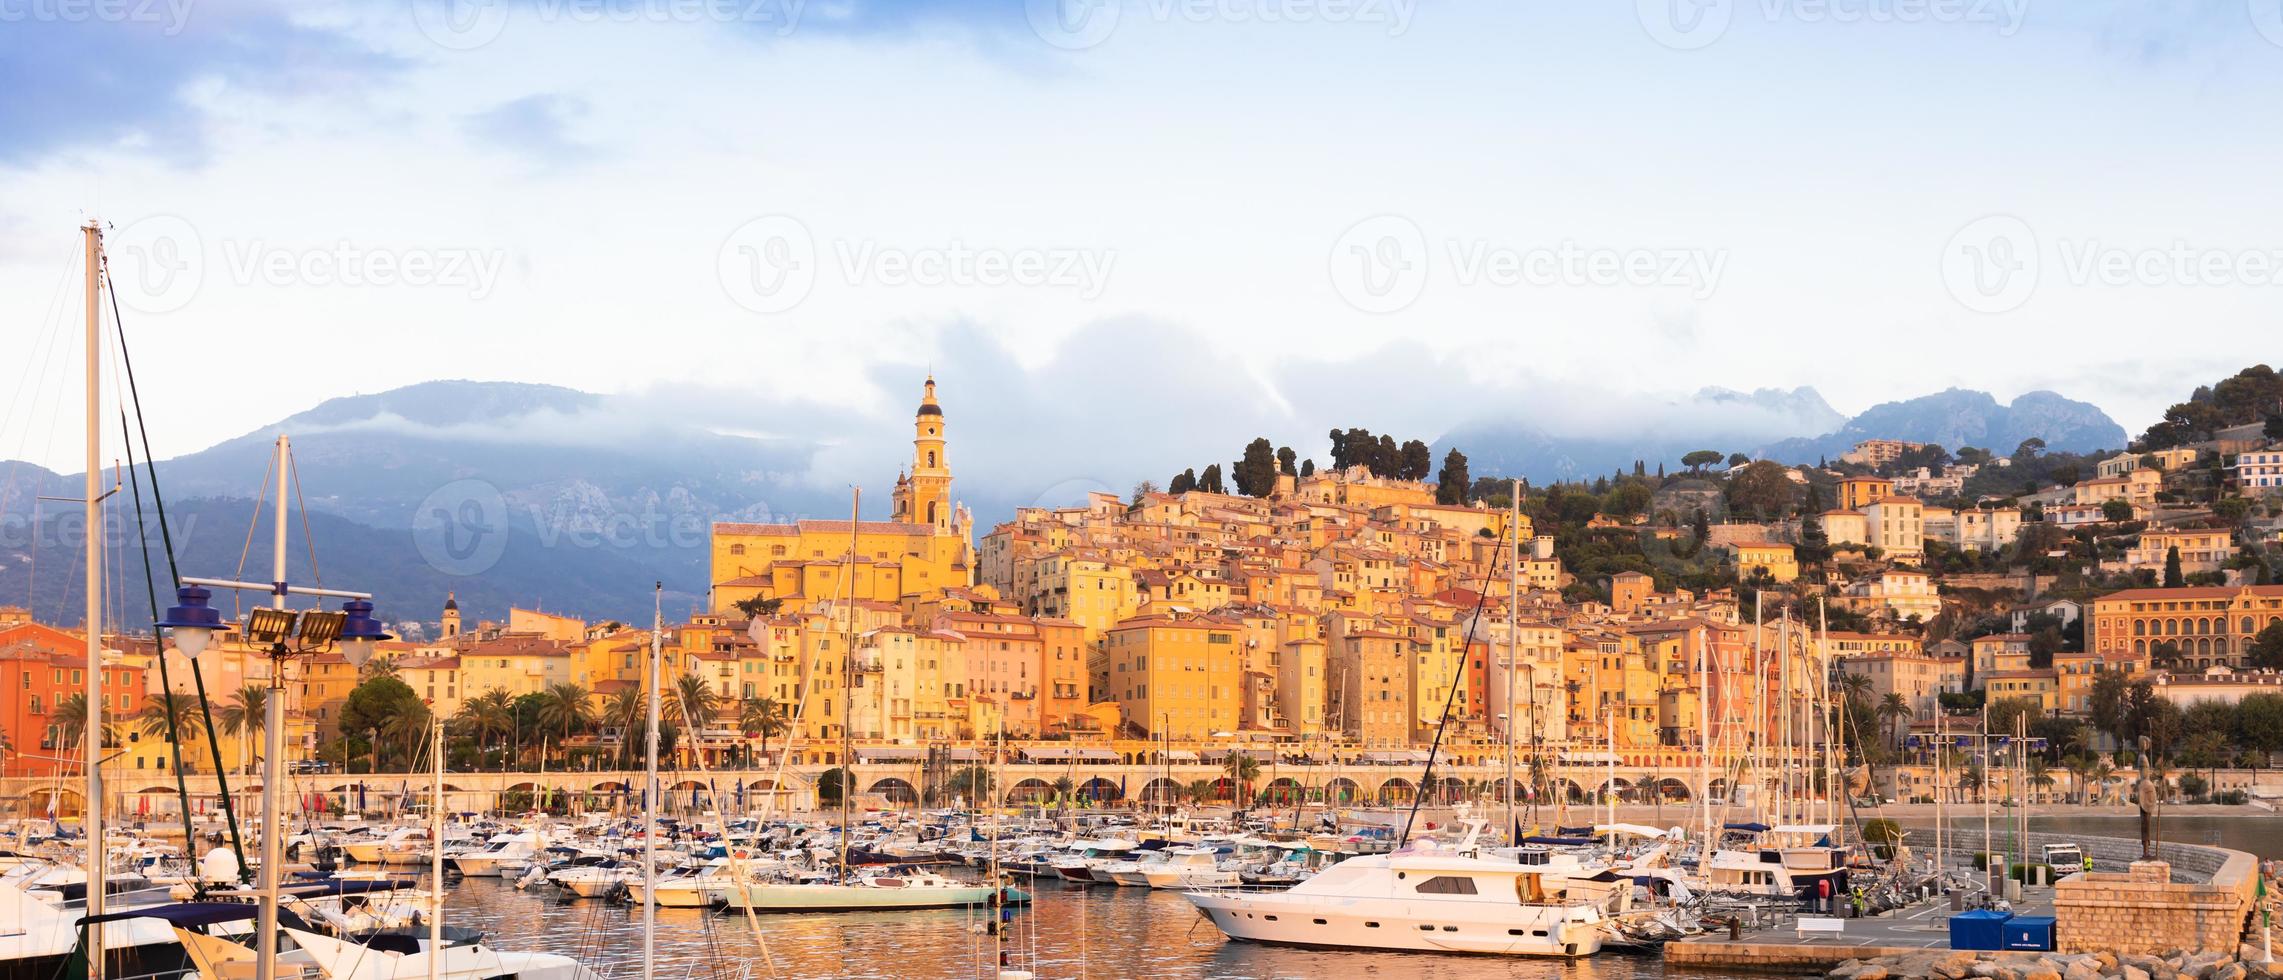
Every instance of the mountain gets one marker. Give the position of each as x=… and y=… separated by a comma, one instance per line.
x=1960, y=417
x=1795, y=426
x=1712, y=418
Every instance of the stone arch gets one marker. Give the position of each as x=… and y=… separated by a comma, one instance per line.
x=1029, y=790
x=1101, y=790
x=1617, y=785
x=67, y=802
x=1396, y=790
x=1569, y=790
x=1672, y=788
x=1718, y=789
x=897, y=791
x=1161, y=790
x=1283, y=791
x=1450, y=789
x=1341, y=789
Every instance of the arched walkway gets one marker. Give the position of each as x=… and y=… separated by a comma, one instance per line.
x=896, y=791
x=1450, y=789
x=1397, y=791
x=1672, y=789
x=1029, y=791
x=1283, y=791
x=1100, y=791
x=1341, y=790
x=1161, y=790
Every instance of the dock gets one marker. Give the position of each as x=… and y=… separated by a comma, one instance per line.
x=1775, y=947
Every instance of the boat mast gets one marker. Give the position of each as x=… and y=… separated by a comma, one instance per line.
x=92, y=233
x=848, y=685
x=650, y=786
x=1704, y=749
x=273, y=747
x=1513, y=644
x=436, y=849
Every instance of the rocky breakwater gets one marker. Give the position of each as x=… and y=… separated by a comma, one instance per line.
x=1936, y=964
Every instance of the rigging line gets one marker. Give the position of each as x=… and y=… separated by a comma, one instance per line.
x=293, y=465
x=174, y=575
x=1427, y=777
x=253, y=523
x=166, y=683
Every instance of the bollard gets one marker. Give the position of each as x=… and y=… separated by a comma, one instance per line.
x=1735, y=928
x=1957, y=901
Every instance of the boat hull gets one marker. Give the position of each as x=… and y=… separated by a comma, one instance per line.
x=835, y=898
x=1395, y=925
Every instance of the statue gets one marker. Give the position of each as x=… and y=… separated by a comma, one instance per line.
x=2144, y=796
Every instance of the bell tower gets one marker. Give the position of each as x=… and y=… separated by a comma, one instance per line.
x=924, y=497
x=451, y=620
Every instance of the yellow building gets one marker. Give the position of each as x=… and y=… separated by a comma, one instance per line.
x=2037, y=685
x=2207, y=625
x=1774, y=558
x=1176, y=676
x=1858, y=492
x=923, y=549
x=517, y=664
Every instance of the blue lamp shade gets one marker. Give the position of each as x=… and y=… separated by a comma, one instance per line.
x=361, y=625
x=193, y=621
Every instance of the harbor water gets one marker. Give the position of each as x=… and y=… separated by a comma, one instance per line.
x=1068, y=932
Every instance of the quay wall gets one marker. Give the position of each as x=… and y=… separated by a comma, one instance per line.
x=2194, y=897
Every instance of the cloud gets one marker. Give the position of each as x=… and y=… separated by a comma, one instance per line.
x=82, y=81
x=535, y=126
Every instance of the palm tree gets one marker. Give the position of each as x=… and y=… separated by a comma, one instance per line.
x=2080, y=768
x=408, y=726
x=1893, y=708
x=1855, y=686
x=246, y=715
x=69, y=718
x=159, y=708
x=628, y=712
x=1242, y=769
x=488, y=714
x=761, y=717
x=2040, y=777
x=972, y=782
x=2103, y=772
x=1970, y=778
x=1064, y=787
x=377, y=667
x=691, y=702
x=566, y=710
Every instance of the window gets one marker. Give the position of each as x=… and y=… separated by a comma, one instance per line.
x=1446, y=885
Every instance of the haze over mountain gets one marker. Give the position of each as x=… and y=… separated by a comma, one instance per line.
x=534, y=495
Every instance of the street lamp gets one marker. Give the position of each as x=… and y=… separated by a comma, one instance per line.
x=194, y=622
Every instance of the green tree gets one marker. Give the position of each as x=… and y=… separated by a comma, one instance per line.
x=1415, y=461
x=1696, y=461
x=1242, y=769
x=1287, y=461
x=972, y=782
x=1762, y=489
x=758, y=607
x=1452, y=484
x=1737, y=459
x=2116, y=511
x=245, y=715
x=372, y=706
x=1308, y=466
x=1255, y=474
x=1182, y=482
x=692, y=704
x=2259, y=726
x=2106, y=704
x=762, y=718
x=830, y=785
x=1210, y=480
x=2172, y=576
x=1893, y=708
x=568, y=710
x=2266, y=649
x=486, y=716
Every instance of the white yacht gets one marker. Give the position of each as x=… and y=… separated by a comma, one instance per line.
x=1189, y=867
x=1419, y=900
x=505, y=855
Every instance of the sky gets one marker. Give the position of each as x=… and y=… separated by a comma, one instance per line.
x=1401, y=214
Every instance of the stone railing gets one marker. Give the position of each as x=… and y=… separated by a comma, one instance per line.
x=2194, y=897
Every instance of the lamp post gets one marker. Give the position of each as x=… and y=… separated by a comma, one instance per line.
x=281, y=634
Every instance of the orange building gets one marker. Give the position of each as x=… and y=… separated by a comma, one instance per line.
x=40, y=668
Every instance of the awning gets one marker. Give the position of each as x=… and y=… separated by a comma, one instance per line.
x=1395, y=758
x=186, y=914
x=1069, y=754
x=1181, y=755
x=891, y=753
x=1257, y=753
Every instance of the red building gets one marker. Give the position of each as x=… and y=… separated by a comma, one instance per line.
x=41, y=667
